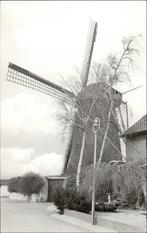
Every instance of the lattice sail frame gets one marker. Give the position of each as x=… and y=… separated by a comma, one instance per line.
x=28, y=79
x=91, y=38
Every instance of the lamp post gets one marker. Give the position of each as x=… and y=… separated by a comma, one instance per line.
x=96, y=125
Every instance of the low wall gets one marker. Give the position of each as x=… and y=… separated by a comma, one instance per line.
x=4, y=191
x=17, y=196
x=21, y=197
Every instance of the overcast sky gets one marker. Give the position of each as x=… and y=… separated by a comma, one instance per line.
x=49, y=38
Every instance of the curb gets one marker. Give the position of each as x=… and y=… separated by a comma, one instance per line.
x=83, y=220
x=82, y=224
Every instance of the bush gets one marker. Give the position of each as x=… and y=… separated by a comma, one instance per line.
x=59, y=198
x=101, y=195
x=107, y=206
x=132, y=199
x=141, y=199
x=71, y=199
x=75, y=200
x=70, y=196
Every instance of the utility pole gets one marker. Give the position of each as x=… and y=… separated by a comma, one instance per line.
x=96, y=125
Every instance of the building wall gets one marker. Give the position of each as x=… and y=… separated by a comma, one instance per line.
x=136, y=148
x=4, y=191
x=43, y=195
x=17, y=196
x=52, y=182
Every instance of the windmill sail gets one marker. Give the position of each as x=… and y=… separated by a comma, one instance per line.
x=28, y=79
x=91, y=37
x=88, y=52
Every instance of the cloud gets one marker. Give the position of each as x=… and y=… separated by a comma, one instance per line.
x=136, y=103
x=19, y=155
x=25, y=112
x=16, y=162
x=29, y=130
x=46, y=164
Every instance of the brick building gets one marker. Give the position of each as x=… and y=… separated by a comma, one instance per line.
x=136, y=140
x=52, y=181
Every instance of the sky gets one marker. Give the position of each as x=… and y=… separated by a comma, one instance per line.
x=49, y=38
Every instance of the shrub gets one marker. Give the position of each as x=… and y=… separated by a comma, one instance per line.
x=59, y=198
x=75, y=200
x=105, y=206
x=71, y=199
x=132, y=199
x=70, y=196
x=141, y=199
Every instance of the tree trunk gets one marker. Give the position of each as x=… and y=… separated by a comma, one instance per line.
x=80, y=160
x=144, y=191
x=106, y=133
x=29, y=198
x=109, y=198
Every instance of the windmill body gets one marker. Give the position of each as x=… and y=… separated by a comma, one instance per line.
x=100, y=110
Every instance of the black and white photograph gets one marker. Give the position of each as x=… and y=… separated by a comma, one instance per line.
x=73, y=116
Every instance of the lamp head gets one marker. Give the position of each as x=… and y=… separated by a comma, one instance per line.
x=96, y=124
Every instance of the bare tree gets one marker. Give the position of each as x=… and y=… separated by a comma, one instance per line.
x=118, y=68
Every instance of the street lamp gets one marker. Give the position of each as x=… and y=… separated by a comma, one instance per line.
x=96, y=126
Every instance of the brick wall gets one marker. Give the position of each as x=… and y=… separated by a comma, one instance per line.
x=100, y=109
x=52, y=182
x=136, y=148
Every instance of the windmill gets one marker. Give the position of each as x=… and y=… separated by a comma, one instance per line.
x=28, y=79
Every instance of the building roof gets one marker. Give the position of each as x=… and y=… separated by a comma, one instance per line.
x=140, y=127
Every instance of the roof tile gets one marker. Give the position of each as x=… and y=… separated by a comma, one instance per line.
x=138, y=127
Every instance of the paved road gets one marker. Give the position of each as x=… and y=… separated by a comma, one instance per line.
x=31, y=217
